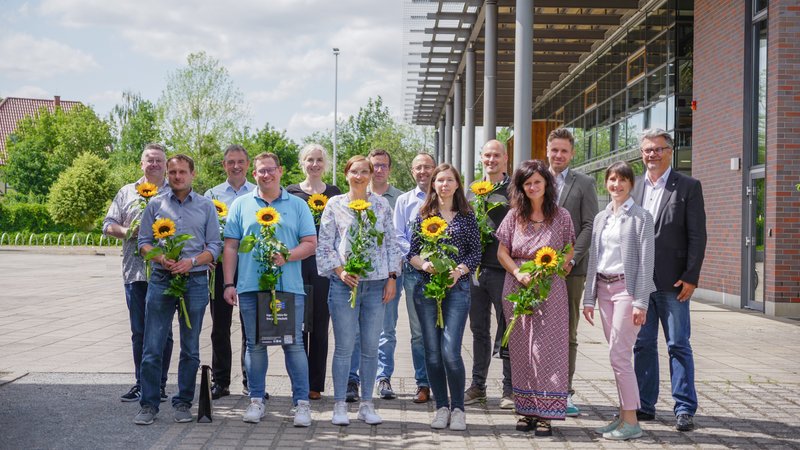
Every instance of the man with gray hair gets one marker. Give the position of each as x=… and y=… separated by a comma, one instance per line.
x=121, y=222
x=676, y=203
x=236, y=163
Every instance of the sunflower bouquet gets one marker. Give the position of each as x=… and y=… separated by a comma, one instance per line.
x=481, y=204
x=222, y=214
x=146, y=191
x=433, y=234
x=362, y=237
x=266, y=246
x=171, y=246
x=547, y=263
x=317, y=203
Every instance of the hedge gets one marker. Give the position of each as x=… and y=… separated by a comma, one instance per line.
x=30, y=217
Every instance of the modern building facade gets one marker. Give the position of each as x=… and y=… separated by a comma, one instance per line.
x=722, y=76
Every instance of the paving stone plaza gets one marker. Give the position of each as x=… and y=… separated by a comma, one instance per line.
x=65, y=359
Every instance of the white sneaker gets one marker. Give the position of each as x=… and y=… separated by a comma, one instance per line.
x=507, y=403
x=366, y=412
x=441, y=418
x=302, y=414
x=255, y=411
x=340, y=414
x=458, y=420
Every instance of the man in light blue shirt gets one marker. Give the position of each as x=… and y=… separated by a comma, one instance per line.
x=195, y=215
x=405, y=212
x=236, y=162
x=296, y=230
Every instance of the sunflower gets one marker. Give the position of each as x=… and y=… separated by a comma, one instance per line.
x=317, y=202
x=268, y=216
x=359, y=205
x=147, y=190
x=546, y=257
x=482, y=187
x=163, y=228
x=433, y=226
x=222, y=208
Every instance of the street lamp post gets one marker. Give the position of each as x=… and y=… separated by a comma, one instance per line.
x=335, y=110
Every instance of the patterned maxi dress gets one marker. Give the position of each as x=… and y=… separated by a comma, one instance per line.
x=539, y=343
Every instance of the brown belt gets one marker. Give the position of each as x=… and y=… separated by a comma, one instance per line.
x=610, y=278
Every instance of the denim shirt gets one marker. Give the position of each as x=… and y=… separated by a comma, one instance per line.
x=196, y=215
x=334, y=241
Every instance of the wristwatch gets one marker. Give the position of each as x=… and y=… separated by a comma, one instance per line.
x=572, y=262
x=461, y=271
x=393, y=276
x=194, y=261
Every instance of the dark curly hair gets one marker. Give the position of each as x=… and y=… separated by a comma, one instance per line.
x=520, y=201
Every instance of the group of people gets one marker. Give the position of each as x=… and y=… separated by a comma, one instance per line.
x=638, y=261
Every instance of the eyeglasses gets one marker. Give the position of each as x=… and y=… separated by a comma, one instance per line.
x=267, y=170
x=381, y=166
x=656, y=150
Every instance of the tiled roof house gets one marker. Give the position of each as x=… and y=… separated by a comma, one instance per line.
x=14, y=109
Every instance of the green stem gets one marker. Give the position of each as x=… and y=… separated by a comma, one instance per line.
x=353, y=297
x=273, y=307
x=184, y=312
x=507, y=334
x=439, y=319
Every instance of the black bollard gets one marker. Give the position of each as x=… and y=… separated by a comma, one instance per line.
x=204, y=405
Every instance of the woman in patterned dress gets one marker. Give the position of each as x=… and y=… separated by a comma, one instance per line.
x=539, y=343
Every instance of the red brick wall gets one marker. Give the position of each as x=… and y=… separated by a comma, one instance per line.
x=717, y=135
x=783, y=152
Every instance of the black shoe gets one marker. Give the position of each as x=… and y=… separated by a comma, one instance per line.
x=526, y=423
x=134, y=395
x=219, y=391
x=684, y=422
x=644, y=417
x=164, y=396
x=352, y=392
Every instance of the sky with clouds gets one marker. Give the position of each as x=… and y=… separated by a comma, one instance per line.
x=278, y=52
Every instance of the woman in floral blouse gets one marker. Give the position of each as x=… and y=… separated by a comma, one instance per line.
x=374, y=289
x=445, y=199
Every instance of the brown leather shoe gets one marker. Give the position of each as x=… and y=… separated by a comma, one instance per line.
x=314, y=395
x=423, y=394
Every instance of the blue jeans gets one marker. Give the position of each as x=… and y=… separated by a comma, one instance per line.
x=443, y=345
x=674, y=317
x=388, y=340
x=411, y=277
x=135, y=296
x=256, y=360
x=160, y=311
x=364, y=321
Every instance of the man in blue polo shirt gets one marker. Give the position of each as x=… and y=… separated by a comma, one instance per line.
x=296, y=230
x=195, y=215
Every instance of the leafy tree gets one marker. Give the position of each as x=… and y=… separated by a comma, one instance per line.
x=504, y=135
x=46, y=144
x=81, y=193
x=200, y=104
x=134, y=124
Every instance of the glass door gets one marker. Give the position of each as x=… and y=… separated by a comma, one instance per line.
x=755, y=239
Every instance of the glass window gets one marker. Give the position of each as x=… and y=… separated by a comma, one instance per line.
x=658, y=115
x=636, y=98
x=603, y=141
x=759, y=5
x=635, y=126
x=636, y=65
x=760, y=156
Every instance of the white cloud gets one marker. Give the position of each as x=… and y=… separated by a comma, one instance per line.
x=106, y=96
x=304, y=123
x=23, y=56
x=28, y=91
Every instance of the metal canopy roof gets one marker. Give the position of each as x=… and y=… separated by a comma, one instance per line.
x=438, y=32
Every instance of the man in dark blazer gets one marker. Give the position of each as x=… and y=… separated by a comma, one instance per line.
x=676, y=203
x=576, y=193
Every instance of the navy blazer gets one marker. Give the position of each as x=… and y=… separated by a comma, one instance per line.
x=680, y=230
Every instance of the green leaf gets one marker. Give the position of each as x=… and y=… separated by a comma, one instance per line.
x=246, y=245
x=154, y=252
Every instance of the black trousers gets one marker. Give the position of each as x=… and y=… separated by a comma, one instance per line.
x=221, y=316
x=316, y=341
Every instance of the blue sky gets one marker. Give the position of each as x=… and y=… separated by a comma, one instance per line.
x=278, y=52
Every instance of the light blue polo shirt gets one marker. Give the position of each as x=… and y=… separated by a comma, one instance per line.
x=295, y=223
